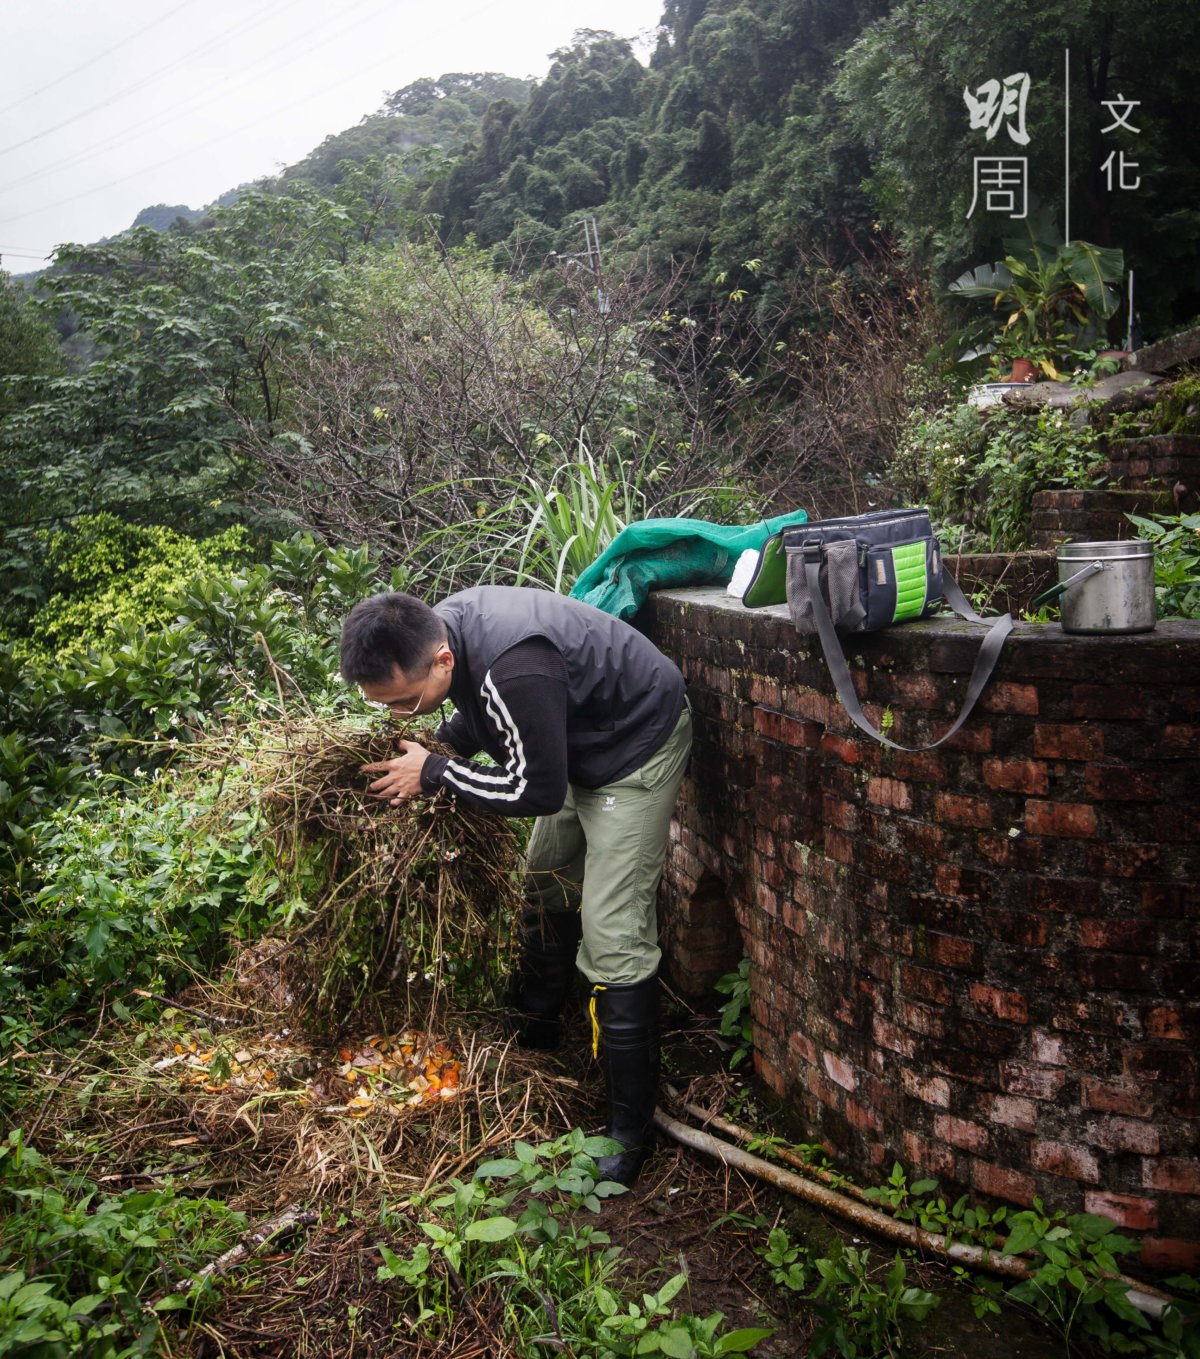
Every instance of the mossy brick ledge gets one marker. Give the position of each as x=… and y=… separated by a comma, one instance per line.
x=979, y=960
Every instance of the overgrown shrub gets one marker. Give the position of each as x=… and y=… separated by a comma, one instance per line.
x=129, y=886
x=1176, y=540
x=978, y=470
x=102, y=577
x=88, y=1272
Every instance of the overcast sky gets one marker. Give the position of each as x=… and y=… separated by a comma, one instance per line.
x=109, y=106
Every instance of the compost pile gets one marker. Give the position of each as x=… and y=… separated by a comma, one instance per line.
x=390, y=901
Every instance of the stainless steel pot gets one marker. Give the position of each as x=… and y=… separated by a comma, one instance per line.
x=1104, y=587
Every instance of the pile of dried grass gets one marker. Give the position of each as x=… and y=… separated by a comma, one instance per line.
x=387, y=902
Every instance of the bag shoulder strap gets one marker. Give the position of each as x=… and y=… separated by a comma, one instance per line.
x=835, y=658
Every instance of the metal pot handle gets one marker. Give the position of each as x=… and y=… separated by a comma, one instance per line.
x=1055, y=591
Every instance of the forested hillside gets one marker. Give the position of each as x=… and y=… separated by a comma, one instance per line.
x=766, y=127
x=467, y=341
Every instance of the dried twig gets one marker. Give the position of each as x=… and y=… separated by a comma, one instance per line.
x=294, y=1216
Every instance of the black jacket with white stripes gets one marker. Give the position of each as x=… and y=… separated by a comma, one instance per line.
x=555, y=691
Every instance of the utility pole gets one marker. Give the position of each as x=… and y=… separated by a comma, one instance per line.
x=591, y=256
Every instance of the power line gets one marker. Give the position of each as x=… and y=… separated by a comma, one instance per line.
x=220, y=38
x=139, y=129
x=91, y=61
x=232, y=132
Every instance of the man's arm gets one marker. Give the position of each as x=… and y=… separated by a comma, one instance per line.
x=525, y=697
x=454, y=733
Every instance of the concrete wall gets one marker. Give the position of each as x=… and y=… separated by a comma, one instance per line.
x=980, y=960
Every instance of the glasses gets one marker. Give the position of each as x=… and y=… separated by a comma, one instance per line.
x=395, y=708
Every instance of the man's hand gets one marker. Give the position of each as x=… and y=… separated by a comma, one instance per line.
x=402, y=776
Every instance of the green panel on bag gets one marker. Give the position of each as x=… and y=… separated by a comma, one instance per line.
x=912, y=580
x=768, y=585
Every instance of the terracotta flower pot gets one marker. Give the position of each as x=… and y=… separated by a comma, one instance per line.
x=1022, y=371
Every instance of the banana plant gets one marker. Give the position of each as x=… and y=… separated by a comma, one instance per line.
x=1051, y=296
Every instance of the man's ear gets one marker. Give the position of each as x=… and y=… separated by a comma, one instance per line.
x=444, y=657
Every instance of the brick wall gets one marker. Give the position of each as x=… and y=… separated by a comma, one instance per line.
x=1092, y=516
x=979, y=960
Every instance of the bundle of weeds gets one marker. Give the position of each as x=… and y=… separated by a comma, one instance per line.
x=385, y=904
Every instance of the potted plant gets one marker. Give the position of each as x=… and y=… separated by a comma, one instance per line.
x=1054, y=295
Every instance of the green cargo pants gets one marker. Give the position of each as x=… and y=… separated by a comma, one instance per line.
x=603, y=855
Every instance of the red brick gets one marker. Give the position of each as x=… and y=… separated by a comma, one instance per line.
x=765, y=691
x=1061, y=1158
x=951, y=951
x=839, y=813
x=1019, y=1078
x=1124, y=701
x=862, y=1118
x=840, y=1071
x=960, y=1132
x=768, y=1074
x=1003, y=697
x=1013, y=928
x=892, y=1038
x=802, y=1049
x=1171, y=1254
x=929, y=1090
x=922, y=1019
x=1121, y=936
x=1008, y=1005
x=916, y=691
x=840, y=748
x=965, y=883
x=1173, y=1063
x=926, y=1157
x=1012, y=1112
x=839, y=847
x=1055, y=742
x=1119, y=783
x=1170, y=1021
x=1062, y=819
x=1175, y=1174
x=975, y=737
x=1114, y=972
x=924, y=983
x=1124, y=861
x=1016, y=776
x=1124, y=1134
x=1134, y=1214
x=1117, y=1096
x=1002, y=1183
x=1178, y=741
x=956, y=810
x=889, y=793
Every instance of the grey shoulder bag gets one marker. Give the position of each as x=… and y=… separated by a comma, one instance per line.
x=867, y=572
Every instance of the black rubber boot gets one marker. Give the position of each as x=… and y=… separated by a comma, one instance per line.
x=626, y=1020
x=544, y=976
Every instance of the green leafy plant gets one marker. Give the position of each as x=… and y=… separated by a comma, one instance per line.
x=736, y=1021
x=545, y=530
x=516, y=1227
x=90, y=1273
x=1176, y=540
x=858, y=1314
x=1075, y=1287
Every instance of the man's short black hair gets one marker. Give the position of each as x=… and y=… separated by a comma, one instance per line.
x=388, y=631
